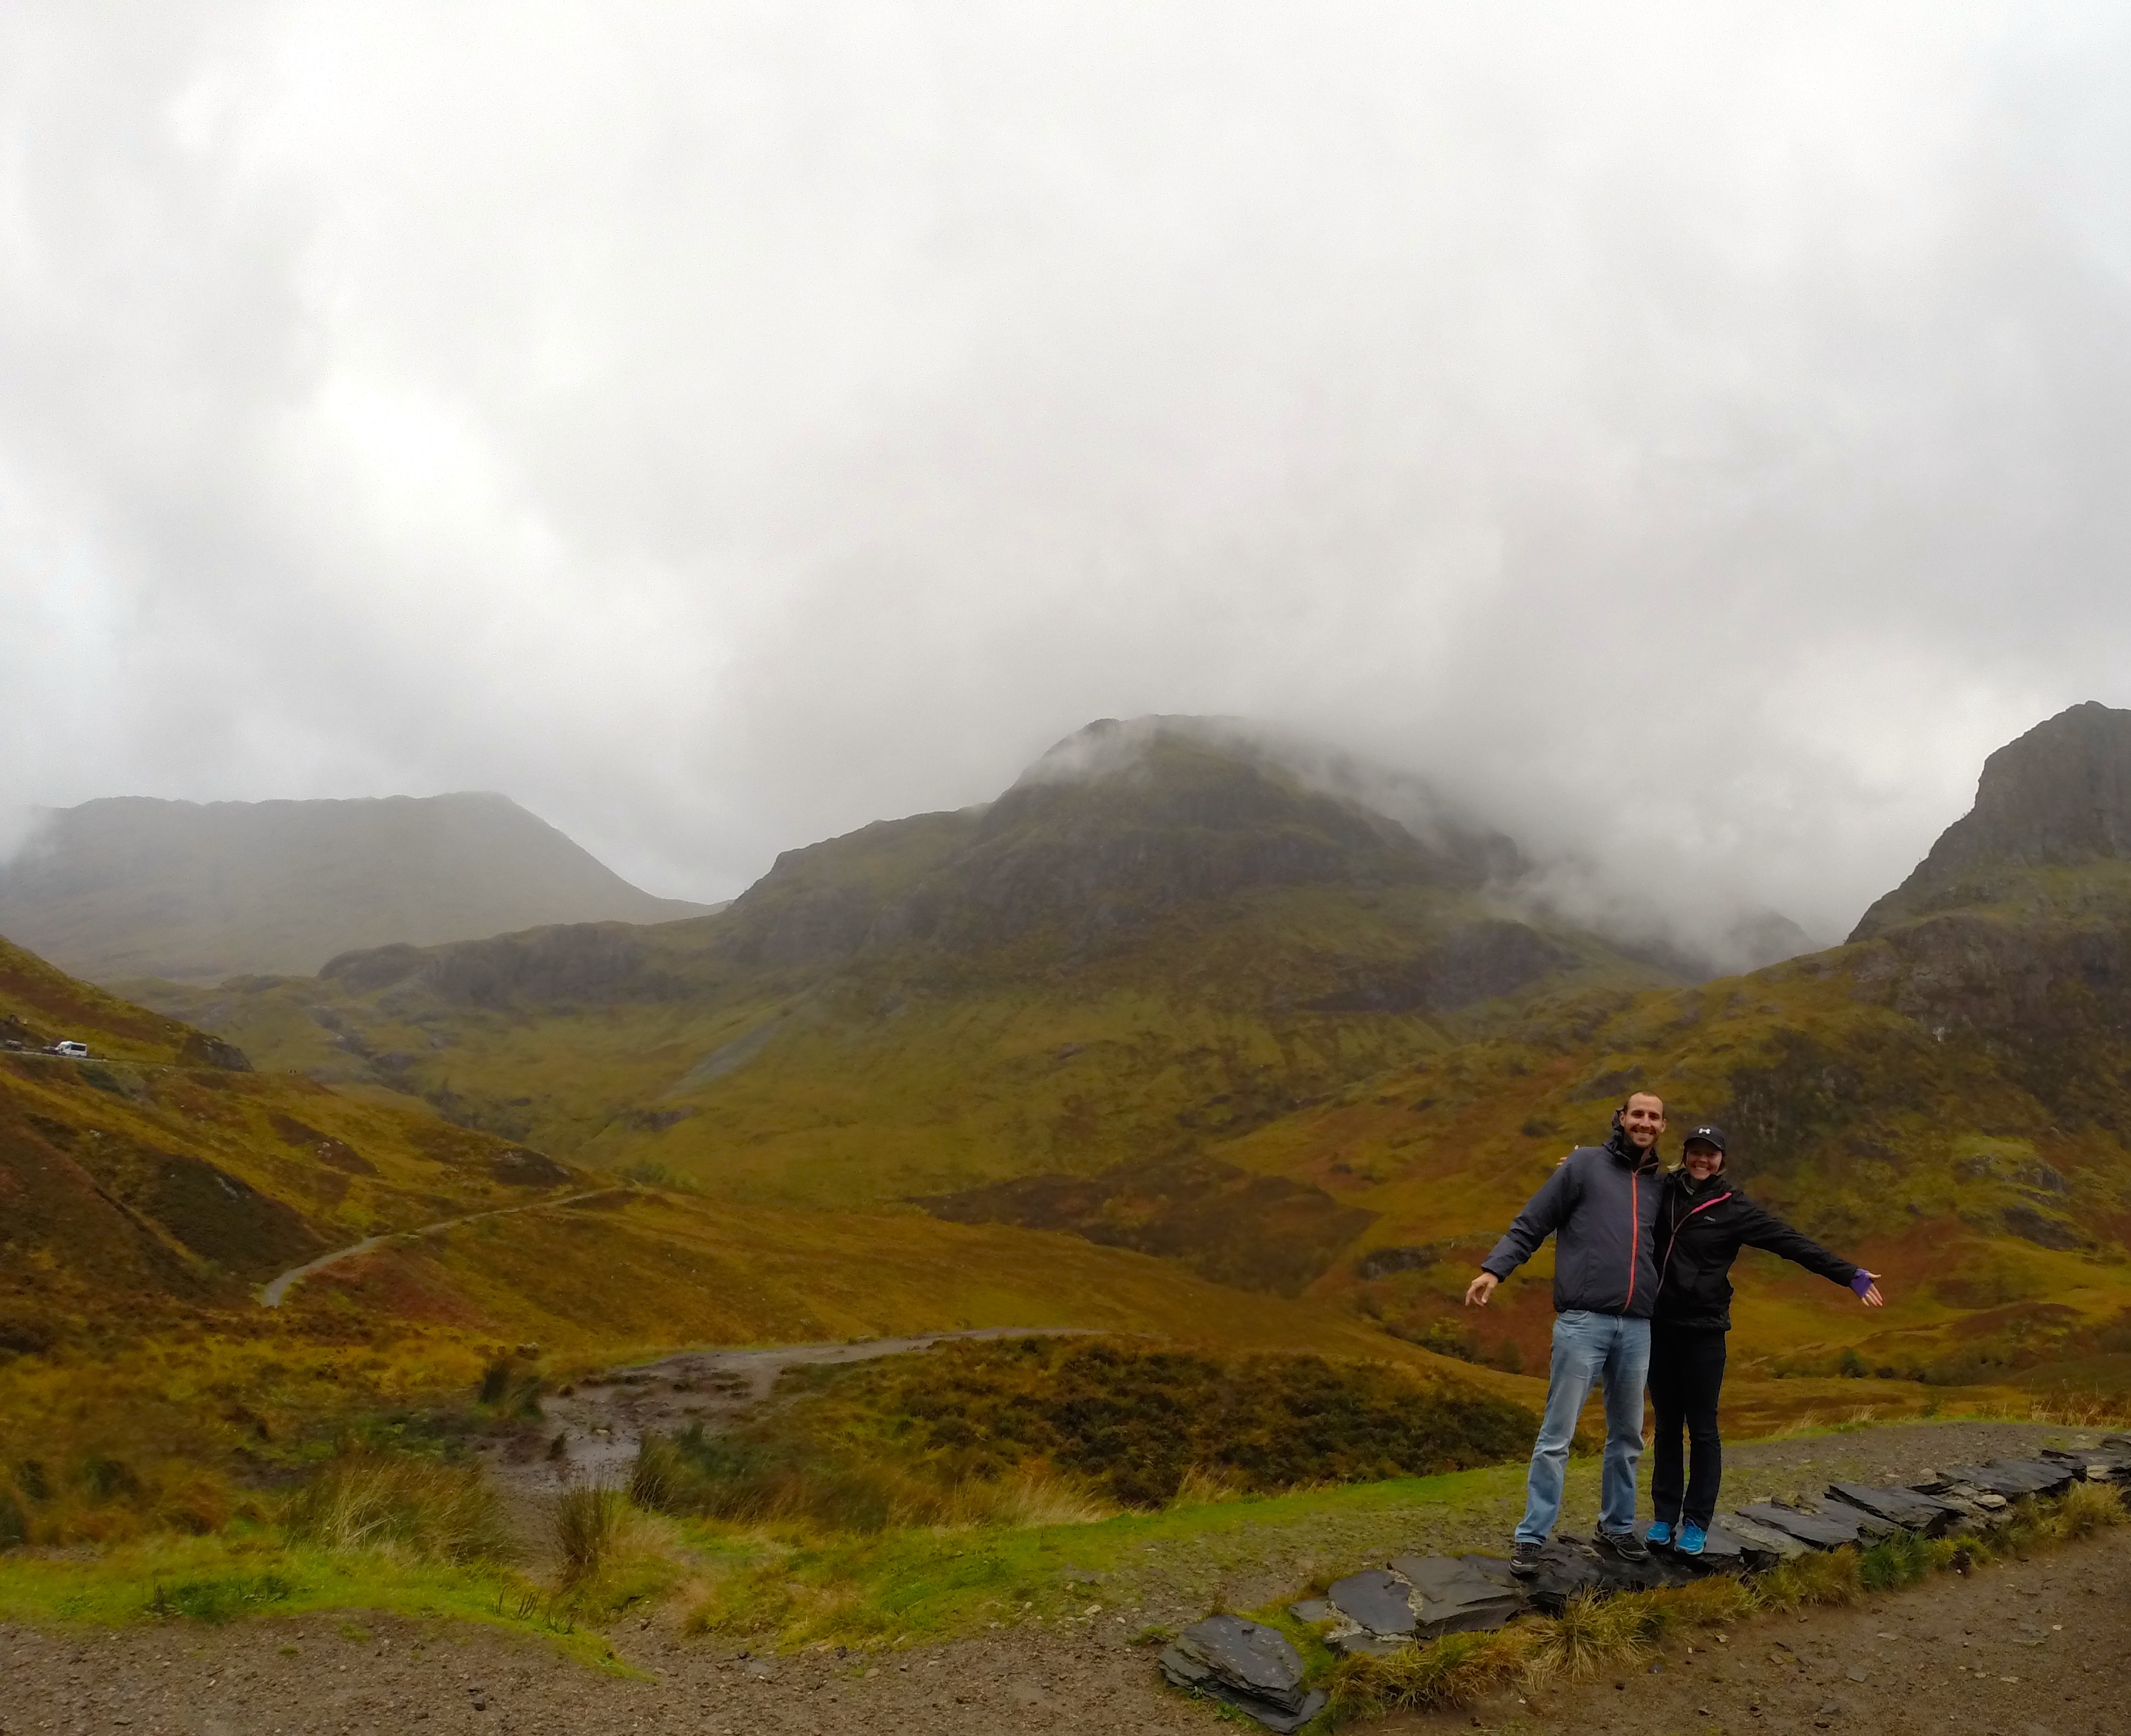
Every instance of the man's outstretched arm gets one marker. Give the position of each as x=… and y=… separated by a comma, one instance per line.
x=1540, y=1218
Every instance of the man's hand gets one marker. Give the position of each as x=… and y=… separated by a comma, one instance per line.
x=1870, y=1296
x=1478, y=1292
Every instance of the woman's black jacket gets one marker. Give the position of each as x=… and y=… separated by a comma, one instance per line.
x=1700, y=1231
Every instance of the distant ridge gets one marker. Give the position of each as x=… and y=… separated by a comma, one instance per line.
x=131, y=887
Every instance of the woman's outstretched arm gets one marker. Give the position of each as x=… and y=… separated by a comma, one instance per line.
x=1763, y=1229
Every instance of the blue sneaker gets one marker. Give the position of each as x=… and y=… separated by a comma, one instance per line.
x=1691, y=1537
x=1658, y=1535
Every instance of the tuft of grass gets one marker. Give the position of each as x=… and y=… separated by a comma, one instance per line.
x=1454, y=1670
x=1828, y=1579
x=426, y=1509
x=1592, y=1632
x=587, y=1523
x=2086, y=1509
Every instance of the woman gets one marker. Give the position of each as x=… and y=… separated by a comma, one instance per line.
x=1703, y=1222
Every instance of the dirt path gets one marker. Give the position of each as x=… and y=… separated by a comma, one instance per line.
x=601, y=1420
x=1930, y=1661
x=276, y=1289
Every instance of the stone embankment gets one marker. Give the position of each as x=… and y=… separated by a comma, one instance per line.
x=1411, y=1600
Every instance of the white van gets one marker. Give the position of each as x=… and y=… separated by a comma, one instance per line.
x=77, y=1051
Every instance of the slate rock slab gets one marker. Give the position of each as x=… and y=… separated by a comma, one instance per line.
x=1312, y=1610
x=1495, y=1570
x=1829, y=1530
x=1765, y=1545
x=1376, y=1601
x=2015, y=1478
x=1246, y=1664
x=1566, y=1565
x=1454, y=1598
x=1907, y=1508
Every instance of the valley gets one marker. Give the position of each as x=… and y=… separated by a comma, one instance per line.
x=1177, y=1050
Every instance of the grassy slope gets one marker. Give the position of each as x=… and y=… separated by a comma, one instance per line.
x=1937, y=1102
x=905, y=1073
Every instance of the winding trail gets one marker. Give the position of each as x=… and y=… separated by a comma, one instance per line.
x=275, y=1290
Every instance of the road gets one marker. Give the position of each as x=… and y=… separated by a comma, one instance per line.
x=275, y=1290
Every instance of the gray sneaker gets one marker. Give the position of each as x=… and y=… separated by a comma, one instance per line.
x=1625, y=1544
x=1524, y=1559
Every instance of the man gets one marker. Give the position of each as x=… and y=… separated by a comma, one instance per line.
x=1601, y=1205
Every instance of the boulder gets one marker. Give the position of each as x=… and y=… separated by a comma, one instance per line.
x=1246, y=1664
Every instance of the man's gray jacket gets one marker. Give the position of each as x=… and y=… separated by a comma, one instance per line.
x=1602, y=1204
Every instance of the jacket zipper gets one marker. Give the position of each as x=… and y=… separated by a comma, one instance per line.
x=1634, y=1233
x=1677, y=1224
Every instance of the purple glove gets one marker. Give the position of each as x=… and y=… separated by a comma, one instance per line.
x=1862, y=1282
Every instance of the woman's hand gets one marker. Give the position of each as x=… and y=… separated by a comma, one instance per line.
x=1870, y=1295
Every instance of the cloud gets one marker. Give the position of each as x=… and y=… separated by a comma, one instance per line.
x=1688, y=435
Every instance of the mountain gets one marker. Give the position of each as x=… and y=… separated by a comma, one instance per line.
x=1175, y=995
x=132, y=887
x=2060, y=796
x=1166, y=931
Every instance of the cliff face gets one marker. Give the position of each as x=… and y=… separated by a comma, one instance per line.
x=2059, y=796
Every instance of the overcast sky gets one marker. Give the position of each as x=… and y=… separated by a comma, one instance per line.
x=1696, y=434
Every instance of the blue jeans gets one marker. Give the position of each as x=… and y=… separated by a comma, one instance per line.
x=1590, y=1347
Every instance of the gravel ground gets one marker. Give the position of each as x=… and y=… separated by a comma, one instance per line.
x=360, y=1674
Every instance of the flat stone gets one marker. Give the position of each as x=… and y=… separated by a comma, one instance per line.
x=1245, y=1658
x=1456, y=1598
x=1187, y=1671
x=1829, y=1530
x=1495, y=1570
x=2015, y=1478
x=1764, y=1540
x=1379, y=1601
x=1898, y=1506
x=1312, y=1609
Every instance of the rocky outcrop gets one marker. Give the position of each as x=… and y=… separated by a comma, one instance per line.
x=598, y=962
x=2058, y=796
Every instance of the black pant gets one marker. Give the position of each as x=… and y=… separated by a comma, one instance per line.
x=1686, y=1373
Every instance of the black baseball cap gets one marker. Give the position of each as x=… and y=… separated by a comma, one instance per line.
x=1708, y=1132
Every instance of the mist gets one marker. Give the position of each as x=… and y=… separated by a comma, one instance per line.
x=1687, y=437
